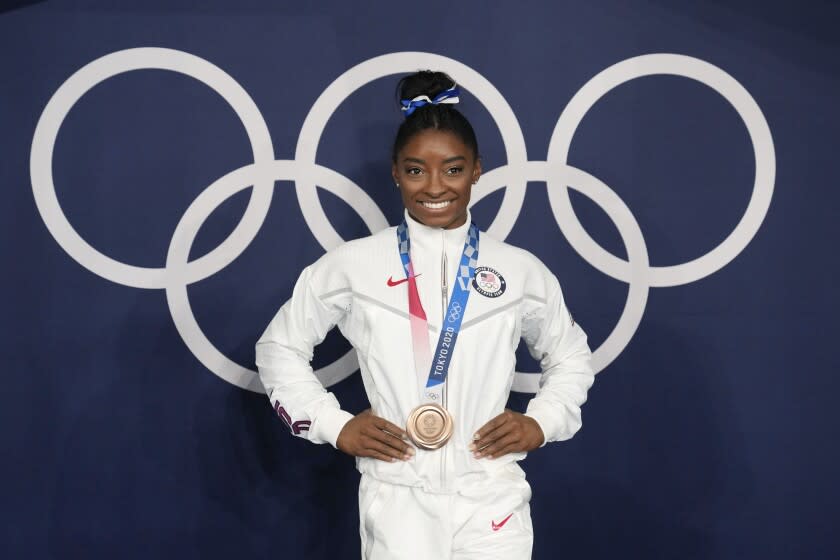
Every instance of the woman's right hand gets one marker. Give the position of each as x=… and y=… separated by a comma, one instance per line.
x=367, y=435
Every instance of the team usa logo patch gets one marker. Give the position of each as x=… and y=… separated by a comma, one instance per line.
x=488, y=282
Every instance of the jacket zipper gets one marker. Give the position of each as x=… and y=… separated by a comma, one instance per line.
x=444, y=292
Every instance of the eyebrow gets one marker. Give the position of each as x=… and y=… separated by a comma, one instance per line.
x=422, y=161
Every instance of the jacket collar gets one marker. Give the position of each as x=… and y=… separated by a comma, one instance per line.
x=425, y=236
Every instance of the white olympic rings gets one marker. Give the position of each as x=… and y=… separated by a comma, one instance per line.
x=179, y=271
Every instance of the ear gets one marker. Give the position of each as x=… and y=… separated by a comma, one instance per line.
x=476, y=170
x=394, y=173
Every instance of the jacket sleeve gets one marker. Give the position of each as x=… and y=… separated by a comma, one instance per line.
x=553, y=338
x=284, y=353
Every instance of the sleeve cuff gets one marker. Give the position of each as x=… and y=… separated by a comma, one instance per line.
x=542, y=422
x=329, y=424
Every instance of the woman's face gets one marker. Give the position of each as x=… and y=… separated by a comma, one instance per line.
x=435, y=172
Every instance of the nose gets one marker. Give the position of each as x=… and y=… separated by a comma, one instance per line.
x=435, y=187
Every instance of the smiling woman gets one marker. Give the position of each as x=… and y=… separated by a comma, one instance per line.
x=437, y=450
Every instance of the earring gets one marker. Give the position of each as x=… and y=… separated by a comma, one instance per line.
x=397, y=184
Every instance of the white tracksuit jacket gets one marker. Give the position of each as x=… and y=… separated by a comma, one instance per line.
x=349, y=287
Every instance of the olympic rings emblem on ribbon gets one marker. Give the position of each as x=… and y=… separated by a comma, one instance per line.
x=180, y=272
x=455, y=314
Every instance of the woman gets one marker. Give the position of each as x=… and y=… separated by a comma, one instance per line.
x=437, y=450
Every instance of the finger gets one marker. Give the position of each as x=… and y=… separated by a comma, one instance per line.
x=376, y=445
x=380, y=456
x=496, y=433
x=496, y=446
x=390, y=440
x=391, y=428
x=514, y=447
x=490, y=426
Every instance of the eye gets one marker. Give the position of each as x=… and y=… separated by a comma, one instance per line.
x=413, y=171
x=454, y=170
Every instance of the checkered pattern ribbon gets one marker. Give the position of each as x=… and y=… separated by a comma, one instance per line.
x=438, y=365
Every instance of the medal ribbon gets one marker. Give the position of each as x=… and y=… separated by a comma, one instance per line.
x=439, y=363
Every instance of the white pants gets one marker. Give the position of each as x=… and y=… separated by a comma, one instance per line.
x=407, y=523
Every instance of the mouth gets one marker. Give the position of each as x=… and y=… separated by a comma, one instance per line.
x=435, y=205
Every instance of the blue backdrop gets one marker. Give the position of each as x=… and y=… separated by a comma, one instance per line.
x=697, y=138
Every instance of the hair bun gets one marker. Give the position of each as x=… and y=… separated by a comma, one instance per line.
x=424, y=82
x=435, y=112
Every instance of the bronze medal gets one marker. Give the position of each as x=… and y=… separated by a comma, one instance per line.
x=429, y=426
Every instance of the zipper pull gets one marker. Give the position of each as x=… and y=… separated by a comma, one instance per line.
x=444, y=286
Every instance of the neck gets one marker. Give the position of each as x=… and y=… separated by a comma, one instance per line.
x=454, y=224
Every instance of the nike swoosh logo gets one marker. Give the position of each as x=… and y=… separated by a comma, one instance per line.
x=392, y=282
x=497, y=526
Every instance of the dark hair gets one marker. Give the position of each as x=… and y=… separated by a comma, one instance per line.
x=438, y=117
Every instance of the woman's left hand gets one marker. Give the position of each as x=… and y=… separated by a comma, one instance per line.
x=509, y=432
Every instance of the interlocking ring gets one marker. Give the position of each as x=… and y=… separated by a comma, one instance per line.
x=180, y=272
x=455, y=312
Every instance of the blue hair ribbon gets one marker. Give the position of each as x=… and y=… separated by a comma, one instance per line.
x=448, y=96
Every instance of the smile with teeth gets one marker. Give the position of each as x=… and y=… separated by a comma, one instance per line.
x=435, y=205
